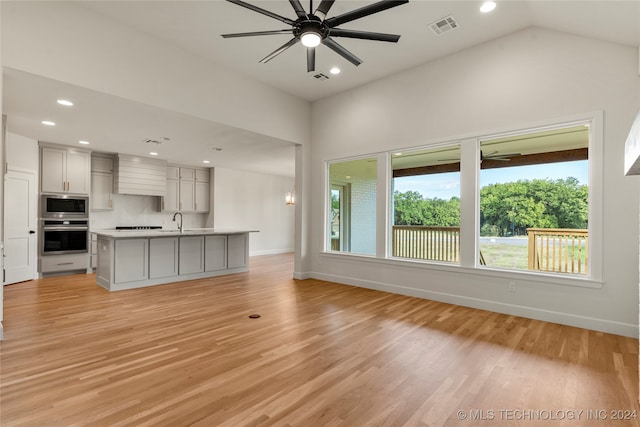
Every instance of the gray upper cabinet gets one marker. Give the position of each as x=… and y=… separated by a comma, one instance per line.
x=187, y=190
x=65, y=170
x=101, y=182
x=187, y=195
x=102, y=163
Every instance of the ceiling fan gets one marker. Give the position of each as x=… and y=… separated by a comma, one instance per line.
x=499, y=157
x=490, y=156
x=314, y=28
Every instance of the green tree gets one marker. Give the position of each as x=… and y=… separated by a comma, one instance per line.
x=515, y=206
x=411, y=208
x=408, y=208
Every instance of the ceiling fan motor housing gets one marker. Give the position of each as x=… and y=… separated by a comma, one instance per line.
x=310, y=24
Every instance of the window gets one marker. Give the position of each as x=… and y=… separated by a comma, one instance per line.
x=426, y=204
x=352, y=206
x=527, y=201
x=534, y=201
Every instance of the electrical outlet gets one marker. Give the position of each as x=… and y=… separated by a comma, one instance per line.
x=512, y=286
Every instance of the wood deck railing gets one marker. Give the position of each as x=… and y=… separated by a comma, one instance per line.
x=549, y=249
x=563, y=250
x=431, y=243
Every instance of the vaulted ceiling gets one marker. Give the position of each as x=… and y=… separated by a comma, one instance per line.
x=196, y=27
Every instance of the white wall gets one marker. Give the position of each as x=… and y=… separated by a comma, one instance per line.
x=246, y=200
x=526, y=78
x=22, y=152
x=2, y=160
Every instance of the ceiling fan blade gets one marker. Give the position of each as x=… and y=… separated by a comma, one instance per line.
x=279, y=50
x=311, y=59
x=362, y=12
x=298, y=8
x=367, y=35
x=323, y=8
x=262, y=11
x=257, y=33
x=337, y=48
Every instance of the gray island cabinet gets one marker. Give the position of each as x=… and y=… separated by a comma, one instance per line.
x=133, y=259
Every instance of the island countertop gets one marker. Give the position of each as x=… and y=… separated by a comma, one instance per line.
x=122, y=234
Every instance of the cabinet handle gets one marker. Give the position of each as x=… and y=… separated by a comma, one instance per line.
x=110, y=203
x=180, y=205
x=64, y=263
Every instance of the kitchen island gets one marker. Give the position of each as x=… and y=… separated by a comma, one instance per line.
x=133, y=259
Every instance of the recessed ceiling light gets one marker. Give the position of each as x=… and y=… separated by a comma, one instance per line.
x=216, y=148
x=487, y=6
x=65, y=102
x=83, y=142
x=48, y=123
x=206, y=161
x=153, y=153
x=335, y=70
x=397, y=154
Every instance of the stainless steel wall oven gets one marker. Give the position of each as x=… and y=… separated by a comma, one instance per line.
x=60, y=236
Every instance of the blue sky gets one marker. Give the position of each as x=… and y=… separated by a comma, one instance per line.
x=447, y=185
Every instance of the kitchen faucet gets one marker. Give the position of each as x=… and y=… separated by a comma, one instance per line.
x=174, y=218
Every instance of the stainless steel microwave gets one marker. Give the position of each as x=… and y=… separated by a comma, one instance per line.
x=64, y=206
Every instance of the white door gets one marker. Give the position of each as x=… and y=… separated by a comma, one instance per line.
x=20, y=216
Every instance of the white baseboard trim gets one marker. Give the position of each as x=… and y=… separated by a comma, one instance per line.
x=592, y=323
x=272, y=252
x=1, y=332
x=301, y=276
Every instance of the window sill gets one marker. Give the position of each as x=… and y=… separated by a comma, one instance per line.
x=529, y=276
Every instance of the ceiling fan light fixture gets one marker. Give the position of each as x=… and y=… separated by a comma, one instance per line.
x=310, y=39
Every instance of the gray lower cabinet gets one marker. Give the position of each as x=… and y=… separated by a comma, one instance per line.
x=215, y=253
x=127, y=262
x=131, y=260
x=237, y=250
x=191, y=254
x=163, y=257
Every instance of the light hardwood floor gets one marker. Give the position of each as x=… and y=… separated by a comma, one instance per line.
x=321, y=354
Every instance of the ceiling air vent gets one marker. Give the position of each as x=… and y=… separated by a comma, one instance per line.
x=162, y=140
x=443, y=25
x=320, y=76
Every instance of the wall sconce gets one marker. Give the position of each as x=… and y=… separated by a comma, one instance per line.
x=290, y=197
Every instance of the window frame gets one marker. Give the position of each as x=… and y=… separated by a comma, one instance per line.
x=391, y=200
x=470, y=202
x=327, y=204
